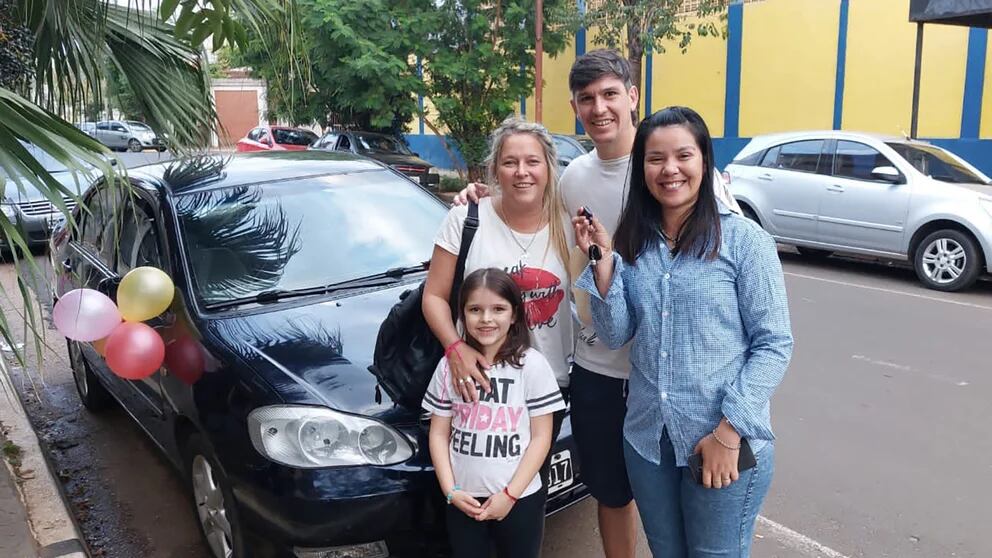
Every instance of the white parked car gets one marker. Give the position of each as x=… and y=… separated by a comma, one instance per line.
x=834, y=191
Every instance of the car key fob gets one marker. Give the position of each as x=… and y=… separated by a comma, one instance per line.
x=595, y=254
x=586, y=213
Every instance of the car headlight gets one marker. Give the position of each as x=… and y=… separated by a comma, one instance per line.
x=311, y=437
x=9, y=210
x=986, y=205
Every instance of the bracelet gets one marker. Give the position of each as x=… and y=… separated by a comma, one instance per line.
x=724, y=444
x=508, y=495
x=452, y=348
x=450, y=495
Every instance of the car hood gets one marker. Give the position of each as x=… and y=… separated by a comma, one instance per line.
x=396, y=158
x=977, y=187
x=26, y=192
x=319, y=353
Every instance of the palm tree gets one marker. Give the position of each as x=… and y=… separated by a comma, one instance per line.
x=46, y=85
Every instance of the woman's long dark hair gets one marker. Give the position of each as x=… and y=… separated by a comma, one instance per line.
x=499, y=282
x=640, y=224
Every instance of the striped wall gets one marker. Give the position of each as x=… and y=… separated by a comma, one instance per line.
x=805, y=64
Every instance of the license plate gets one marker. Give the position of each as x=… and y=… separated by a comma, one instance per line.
x=561, y=475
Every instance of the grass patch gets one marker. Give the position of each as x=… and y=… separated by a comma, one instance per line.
x=11, y=452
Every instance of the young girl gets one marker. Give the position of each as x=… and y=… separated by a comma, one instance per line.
x=487, y=453
x=700, y=292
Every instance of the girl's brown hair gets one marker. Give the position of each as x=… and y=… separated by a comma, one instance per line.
x=500, y=283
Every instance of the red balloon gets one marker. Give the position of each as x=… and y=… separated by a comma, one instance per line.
x=134, y=351
x=184, y=359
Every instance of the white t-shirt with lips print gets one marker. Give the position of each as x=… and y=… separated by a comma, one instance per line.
x=538, y=271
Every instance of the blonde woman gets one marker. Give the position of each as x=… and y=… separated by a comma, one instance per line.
x=523, y=230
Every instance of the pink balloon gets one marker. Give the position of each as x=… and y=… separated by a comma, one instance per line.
x=85, y=315
x=134, y=351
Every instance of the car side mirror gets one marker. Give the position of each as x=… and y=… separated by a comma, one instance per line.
x=887, y=174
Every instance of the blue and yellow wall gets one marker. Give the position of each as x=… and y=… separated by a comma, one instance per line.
x=800, y=65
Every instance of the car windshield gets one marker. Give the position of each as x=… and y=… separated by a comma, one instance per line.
x=299, y=234
x=937, y=163
x=138, y=126
x=293, y=137
x=376, y=142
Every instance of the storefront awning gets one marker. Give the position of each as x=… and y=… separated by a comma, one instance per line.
x=970, y=13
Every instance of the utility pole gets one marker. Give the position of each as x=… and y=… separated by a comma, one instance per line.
x=538, y=64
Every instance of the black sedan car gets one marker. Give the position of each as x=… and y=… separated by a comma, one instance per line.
x=285, y=265
x=381, y=147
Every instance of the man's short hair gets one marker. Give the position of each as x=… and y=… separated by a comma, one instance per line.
x=596, y=64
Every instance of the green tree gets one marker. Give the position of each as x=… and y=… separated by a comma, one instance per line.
x=479, y=61
x=634, y=25
x=359, y=72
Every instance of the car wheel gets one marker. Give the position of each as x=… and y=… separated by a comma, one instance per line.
x=161, y=150
x=213, y=502
x=91, y=392
x=134, y=145
x=813, y=253
x=947, y=260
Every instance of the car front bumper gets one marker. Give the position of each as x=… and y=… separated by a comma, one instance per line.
x=292, y=510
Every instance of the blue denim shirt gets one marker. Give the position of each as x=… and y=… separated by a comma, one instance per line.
x=711, y=338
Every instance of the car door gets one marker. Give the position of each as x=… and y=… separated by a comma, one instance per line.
x=858, y=210
x=105, y=135
x=120, y=133
x=138, y=247
x=789, y=177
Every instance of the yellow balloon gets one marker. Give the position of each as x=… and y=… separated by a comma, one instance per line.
x=145, y=292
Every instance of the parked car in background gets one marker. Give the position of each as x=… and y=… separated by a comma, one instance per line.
x=570, y=147
x=888, y=197
x=381, y=147
x=285, y=265
x=123, y=135
x=29, y=210
x=276, y=138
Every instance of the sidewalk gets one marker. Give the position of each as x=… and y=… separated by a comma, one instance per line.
x=16, y=540
x=34, y=519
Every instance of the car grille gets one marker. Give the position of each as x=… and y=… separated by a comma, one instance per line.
x=43, y=207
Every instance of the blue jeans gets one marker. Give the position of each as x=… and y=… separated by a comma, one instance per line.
x=682, y=519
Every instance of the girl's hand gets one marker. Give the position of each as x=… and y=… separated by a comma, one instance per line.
x=496, y=507
x=719, y=462
x=466, y=503
x=587, y=234
x=466, y=366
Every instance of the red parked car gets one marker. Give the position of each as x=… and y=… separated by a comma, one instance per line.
x=276, y=138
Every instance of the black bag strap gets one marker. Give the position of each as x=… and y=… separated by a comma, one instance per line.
x=468, y=233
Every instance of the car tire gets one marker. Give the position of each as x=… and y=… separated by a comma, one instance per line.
x=947, y=260
x=214, y=508
x=133, y=145
x=813, y=253
x=161, y=150
x=92, y=393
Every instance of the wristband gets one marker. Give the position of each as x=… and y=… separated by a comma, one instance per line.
x=508, y=495
x=450, y=495
x=725, y=444
x=452, y=348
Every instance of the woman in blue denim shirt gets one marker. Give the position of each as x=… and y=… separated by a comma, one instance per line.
x=701, y=293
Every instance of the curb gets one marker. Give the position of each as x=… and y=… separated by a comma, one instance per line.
x=49, y=519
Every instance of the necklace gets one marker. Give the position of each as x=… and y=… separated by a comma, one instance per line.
x=674, y=241
x=525, y=250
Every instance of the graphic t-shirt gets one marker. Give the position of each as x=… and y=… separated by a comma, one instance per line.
x=535, y=267
x=489, y=437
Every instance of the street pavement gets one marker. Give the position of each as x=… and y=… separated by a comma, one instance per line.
x=15, y=535
x=882, y=448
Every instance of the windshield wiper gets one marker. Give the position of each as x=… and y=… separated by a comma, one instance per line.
x=387, y=277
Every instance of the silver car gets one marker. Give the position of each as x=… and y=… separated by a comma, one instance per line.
x=858, y=193
x=124, y=134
